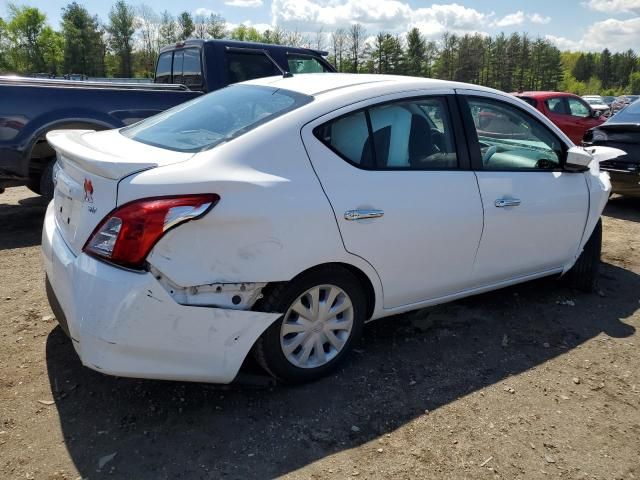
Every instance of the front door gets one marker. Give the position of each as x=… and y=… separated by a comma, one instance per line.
x=534, y=212
x=402, y=192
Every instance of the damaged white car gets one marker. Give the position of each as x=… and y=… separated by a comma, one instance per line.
x=277, y=216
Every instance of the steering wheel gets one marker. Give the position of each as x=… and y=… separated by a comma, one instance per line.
x=488, y=154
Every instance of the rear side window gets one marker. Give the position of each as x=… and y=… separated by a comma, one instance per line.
x=215, y=118
x=406, y=135
x=163, y=69
x=247, y=66
x=178, y=59
x=304, y=64
x=192, y=68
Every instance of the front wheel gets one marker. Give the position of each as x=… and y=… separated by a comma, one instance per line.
x=584, y=273
x=324, y=312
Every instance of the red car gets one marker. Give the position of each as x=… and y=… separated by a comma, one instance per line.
x=569, y=112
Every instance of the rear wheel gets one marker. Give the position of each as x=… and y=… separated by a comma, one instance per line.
x=46, y=181
x=584, y=273
x=324, y=312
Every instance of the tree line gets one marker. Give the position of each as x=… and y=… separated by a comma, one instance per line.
x=127, y=45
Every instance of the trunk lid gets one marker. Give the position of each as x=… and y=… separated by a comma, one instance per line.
x=90, y=165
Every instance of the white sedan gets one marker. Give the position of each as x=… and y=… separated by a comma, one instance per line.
x=279, y=215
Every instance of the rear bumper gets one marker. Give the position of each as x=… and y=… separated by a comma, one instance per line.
x=125, y=323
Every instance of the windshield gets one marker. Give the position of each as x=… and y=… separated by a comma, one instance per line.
x=215, y=118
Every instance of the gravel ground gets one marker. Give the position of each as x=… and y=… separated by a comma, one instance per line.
x=534, y=381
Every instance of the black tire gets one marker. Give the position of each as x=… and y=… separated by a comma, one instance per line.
x=33, y=184
x=584, y=273
x=268, y=350
x=46, y=181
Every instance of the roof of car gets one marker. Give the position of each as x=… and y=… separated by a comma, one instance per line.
x=239, y=44
x=316, y=84
x=543, y=95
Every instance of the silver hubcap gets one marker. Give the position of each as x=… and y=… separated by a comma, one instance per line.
x=317, y=326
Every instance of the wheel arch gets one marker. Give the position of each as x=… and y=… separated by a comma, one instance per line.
x=364, y=280
x=39, y=151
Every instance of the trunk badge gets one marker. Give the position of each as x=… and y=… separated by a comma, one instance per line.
x=88, y=191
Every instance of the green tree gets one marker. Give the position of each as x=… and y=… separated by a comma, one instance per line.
x=634, y=83
x=24, y=30
x=167, y=31
x=605, y=68
x=246, y=34
x=416, y=52
x=83, y=50
x=186, y=26
x=4, y=46
x=52, y=50
x=216, y=26
x=122, y=26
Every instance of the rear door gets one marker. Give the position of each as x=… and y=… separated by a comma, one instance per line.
x=397, y=176
x=534, y=212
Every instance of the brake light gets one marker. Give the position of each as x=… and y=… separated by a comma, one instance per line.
x=127, y=235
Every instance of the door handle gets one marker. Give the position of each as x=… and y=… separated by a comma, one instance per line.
x=362, y=214
x=507, y=202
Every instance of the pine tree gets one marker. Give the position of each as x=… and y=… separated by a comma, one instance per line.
x=122, y=23
x=185, y=25
x=83, y=50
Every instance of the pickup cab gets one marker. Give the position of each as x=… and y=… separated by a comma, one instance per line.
x=572, y=114
x=31, y=107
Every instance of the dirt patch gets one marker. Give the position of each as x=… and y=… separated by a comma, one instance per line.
x=535, y=381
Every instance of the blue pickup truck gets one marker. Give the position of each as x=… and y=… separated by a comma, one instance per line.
x=29, y=107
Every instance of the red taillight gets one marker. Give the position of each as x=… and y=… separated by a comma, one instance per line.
x=127, y=235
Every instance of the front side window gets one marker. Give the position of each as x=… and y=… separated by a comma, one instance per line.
x=578, y=108
x=163, y=69
x=247, y=66
x=510, y=139
x=215, y=118
x=413, y=134
x=304, y=64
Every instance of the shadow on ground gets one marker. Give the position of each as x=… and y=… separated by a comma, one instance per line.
x=623, y=208
x=21, y=223
x=403, y=366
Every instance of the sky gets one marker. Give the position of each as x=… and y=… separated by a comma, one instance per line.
x=572, y=25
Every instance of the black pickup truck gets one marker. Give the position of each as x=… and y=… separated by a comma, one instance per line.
x=29, y=107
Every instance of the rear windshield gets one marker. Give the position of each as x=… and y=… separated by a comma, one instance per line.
x=631, y=114
x=215, y=118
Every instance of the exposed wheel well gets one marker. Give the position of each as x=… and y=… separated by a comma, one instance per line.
x=41, y=152
x=363, y=279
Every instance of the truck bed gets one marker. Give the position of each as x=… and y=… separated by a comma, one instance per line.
x=51, y=82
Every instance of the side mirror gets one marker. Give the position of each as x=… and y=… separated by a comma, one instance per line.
x=577, y=159
x=596, y=114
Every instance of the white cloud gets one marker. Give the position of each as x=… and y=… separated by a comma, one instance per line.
x=204, y=12
x=516, y=18
x=244, y=3
x=616, y=35
x=377, y=15
x=614, y=7
x=539, y=19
